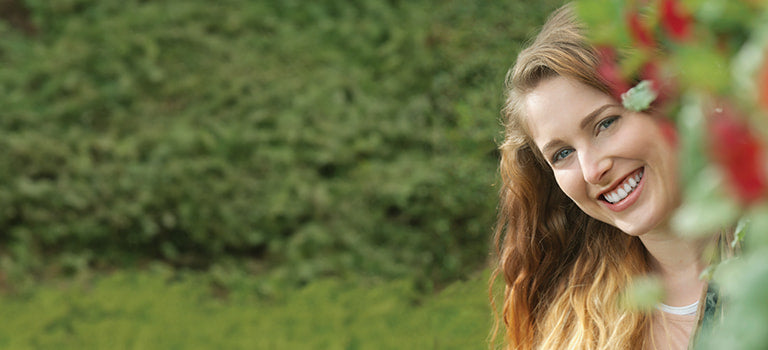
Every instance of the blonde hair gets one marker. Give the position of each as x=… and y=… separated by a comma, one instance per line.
x=564, y=271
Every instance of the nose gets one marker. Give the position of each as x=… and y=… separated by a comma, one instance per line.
x=594, y=166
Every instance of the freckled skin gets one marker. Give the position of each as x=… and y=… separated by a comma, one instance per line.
x=596, y=158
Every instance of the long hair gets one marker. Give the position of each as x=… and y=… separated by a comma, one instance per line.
x=564, y=271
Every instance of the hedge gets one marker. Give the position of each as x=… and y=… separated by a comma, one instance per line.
x=304, y=138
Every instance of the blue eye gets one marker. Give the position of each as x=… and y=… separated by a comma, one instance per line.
x=605, y=123
x=561, y=154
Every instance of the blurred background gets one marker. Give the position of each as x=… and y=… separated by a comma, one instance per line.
x=188, y=174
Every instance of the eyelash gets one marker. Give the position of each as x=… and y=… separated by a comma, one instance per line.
x=605, y=123
x=602, y=125
x=557, y=157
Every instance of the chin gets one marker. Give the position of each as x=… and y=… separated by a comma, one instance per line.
x=638, y=229
x=633, y=231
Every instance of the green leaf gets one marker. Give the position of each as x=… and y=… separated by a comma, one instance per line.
x=604, y=20
x=747, y=62
x=756, y=232
x=738, y=233
x=644, y=293
x=705, y=209
x=702, y=68
x=690, y=123
x=708, y=273
x=640, y=97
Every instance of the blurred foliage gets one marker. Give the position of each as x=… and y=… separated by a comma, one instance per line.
x=309, y=138
x=713, y=59
x=160, y=309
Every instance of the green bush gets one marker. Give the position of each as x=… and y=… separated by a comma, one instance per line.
x=314, y=138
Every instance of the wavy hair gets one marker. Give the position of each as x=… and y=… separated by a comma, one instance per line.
x=564, y=271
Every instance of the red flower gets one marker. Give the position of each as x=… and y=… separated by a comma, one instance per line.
x=739, y=153
x=608, y=69
x=675, y=20
x=640, y=33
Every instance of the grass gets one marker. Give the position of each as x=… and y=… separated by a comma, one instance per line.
x=160, y=309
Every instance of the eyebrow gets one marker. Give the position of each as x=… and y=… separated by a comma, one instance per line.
x=586, y=122
x=590, y=118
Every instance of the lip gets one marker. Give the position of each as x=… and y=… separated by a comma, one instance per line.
x=630, y=199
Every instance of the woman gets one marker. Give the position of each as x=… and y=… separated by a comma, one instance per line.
x=588, y=190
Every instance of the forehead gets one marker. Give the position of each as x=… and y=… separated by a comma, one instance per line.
x=557, y=105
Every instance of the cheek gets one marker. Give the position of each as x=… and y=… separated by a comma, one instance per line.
x=663, y=142
x=572, y=184
x=647, y=140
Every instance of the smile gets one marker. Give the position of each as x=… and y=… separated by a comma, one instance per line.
x=624, y=189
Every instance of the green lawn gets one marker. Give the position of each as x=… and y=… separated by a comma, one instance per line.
x=157, y=309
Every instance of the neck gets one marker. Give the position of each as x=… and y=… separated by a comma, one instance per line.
x=678, y=262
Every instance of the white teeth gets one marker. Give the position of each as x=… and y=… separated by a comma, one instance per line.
x=623, y=190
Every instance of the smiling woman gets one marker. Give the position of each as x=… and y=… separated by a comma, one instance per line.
x=588, y=191
x=613, y=163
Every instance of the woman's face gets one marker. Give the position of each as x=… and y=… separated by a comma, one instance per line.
x=615, y=164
